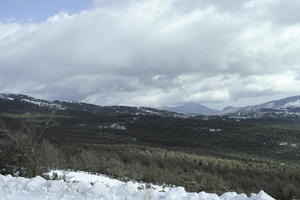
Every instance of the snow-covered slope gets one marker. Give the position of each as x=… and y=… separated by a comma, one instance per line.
x=83, y=186
x=16, y=100
x=283, y=108
x=30, y=100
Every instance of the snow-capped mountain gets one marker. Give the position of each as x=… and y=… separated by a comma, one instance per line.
x=283, y=108
x=14, y=98
x=193, y=108
x=20, y=101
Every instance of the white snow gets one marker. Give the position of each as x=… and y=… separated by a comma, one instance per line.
x=6, y=98
x=44, y=104
x=215, y=130
x=116, y=126
x=71, y=176
x=84, y=186
x=283, y=143
x=293, y=104
x=144, y=110
x=288, y=144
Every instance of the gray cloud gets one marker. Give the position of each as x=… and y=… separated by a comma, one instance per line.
x=154, y=52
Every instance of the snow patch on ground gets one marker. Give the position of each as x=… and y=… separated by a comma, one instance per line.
x=288, y=144
x=6, y=98
x=84, y=186
x=293, y=104
x=116, y=125
x=44, y=104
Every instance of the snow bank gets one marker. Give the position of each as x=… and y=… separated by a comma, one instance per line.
x=83, y=186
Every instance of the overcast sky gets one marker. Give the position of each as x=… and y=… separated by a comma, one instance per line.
x=151, y=52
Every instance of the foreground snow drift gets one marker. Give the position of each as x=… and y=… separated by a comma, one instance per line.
x=79, y=186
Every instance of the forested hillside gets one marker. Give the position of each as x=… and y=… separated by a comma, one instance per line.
x=202, y=154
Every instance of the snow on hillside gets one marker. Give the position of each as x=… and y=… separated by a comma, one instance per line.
x=293, y=104
x=44, y=104
x=6, y=98
x=84, y=186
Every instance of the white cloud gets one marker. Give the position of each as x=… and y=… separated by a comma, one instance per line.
x=285, y=82
x=155, y=52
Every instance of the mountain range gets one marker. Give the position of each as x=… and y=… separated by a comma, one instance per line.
x=282, y=108
x=154, y=145
x=192, y=108
x=26, y=103
x=286, y=107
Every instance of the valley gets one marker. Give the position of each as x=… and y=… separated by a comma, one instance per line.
x=201, y=153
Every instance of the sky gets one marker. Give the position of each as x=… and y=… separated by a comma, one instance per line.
x=39, y=10
x=151, y=52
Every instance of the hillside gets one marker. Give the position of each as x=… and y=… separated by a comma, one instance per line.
x=199, y=153
x=27, y=103
x=281, y=109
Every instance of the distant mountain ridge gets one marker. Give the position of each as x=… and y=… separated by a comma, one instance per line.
x=282, y=108
x=288, y=107
x=25, y=102
x=192, y=108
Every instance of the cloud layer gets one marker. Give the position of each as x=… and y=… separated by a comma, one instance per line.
x=154, y=52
